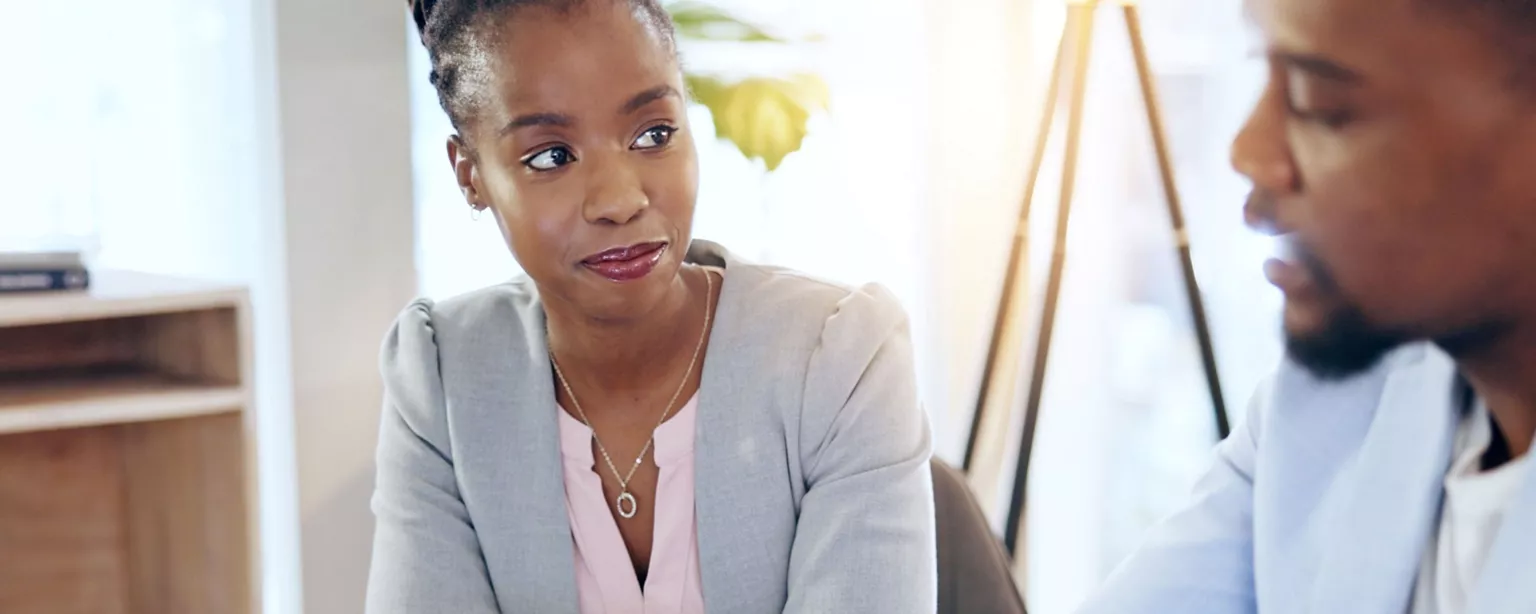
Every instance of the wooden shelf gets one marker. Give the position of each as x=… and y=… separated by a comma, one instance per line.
x=94, y=400
x=115, y=294
x=127, y=480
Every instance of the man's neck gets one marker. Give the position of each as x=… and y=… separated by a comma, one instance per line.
x=1502, y=371
x=630, y=353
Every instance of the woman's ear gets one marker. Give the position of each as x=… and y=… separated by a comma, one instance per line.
x=463, y=161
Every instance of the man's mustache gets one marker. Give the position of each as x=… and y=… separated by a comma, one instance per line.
x=1259, y=212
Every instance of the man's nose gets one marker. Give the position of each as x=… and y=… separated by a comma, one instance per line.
x=1260, y=153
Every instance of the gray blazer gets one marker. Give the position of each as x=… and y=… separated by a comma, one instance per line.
x=813, y=493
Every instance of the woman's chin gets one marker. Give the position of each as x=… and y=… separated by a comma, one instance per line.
x=605, y=298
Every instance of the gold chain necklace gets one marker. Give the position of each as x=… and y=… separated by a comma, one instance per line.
x=626, y=503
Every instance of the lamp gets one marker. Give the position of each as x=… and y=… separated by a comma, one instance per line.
x=1078, y=33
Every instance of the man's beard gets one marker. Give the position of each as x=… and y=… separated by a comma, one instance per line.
x=1348, y=345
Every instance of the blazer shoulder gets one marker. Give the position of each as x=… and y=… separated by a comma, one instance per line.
x=430, y=338
x=426, y=325
x=843, y=327
x=409, y=364
x=834, y=311
x=516, y=300
x=409, y=352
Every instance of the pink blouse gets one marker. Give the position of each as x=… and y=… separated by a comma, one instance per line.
x=605, y=578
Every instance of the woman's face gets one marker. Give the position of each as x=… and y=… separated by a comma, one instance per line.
x=581, y=148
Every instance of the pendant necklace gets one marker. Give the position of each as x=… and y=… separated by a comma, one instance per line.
x=625, y=503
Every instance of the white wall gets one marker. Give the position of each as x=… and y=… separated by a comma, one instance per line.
x=345, y=134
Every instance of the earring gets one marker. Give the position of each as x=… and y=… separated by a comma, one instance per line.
x=474, y=213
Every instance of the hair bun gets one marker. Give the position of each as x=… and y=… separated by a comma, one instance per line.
x=420, y=11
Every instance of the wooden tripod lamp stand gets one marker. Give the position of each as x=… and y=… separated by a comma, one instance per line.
x=1073, y=52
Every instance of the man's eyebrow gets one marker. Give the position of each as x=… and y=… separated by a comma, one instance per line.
x=647, y=97
x=537, y=119
x=1317, y=66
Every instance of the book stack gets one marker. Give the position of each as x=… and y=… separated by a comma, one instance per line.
x=42, y=271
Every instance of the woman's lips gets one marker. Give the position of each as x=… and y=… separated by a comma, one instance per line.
x=626, y=263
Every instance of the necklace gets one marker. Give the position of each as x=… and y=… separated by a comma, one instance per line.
x=625, y=503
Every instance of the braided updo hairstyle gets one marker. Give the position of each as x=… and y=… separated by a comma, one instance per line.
x=459, y=33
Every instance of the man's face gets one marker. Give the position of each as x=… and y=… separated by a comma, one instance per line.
x=1392, y=152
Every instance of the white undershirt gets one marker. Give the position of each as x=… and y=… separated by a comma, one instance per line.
x=1470, y=516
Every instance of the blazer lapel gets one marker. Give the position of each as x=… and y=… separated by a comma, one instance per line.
x=1507, y=584
x=728, y=500
x=1380, y=530
x=518, y=503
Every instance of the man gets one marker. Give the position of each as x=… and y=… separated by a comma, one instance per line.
x=1383, y=470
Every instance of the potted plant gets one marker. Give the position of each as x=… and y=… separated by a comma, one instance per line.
x=765, y=117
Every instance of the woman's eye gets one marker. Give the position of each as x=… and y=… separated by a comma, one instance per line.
x=653, y=138
x=549, y=159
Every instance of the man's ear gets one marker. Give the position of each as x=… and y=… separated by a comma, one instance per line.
x=464, y=172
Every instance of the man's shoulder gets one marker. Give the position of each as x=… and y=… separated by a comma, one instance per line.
x=1298, y=409
x=1295, y=389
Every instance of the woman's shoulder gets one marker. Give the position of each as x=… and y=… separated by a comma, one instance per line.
x=787, y=312
x=429, y=335
x=509, y=302
x=781, y=300
x=514, y=300
x=829, y=341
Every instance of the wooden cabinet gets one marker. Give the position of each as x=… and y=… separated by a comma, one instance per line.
x=127, y=468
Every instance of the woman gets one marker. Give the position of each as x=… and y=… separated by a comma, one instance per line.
x=643, y=423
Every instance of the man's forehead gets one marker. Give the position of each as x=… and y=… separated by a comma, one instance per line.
x=1383, y=40
x=1323, y=23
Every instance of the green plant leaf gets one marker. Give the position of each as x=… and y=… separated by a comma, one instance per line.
x=812, y=91
x=705, y=90
x=766, y=118
x=699, y=21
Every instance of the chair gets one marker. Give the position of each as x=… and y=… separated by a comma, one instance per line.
x=974, y=572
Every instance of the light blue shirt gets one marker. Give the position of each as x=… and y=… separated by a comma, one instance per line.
x=1323, y=501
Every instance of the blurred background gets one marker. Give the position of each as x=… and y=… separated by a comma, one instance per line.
x=295, y=147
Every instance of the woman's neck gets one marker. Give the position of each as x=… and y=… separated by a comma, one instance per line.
x=635, y=352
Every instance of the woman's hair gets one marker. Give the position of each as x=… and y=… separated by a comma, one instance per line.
x=458, y=35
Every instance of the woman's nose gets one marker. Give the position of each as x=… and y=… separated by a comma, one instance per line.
x=616, y=194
